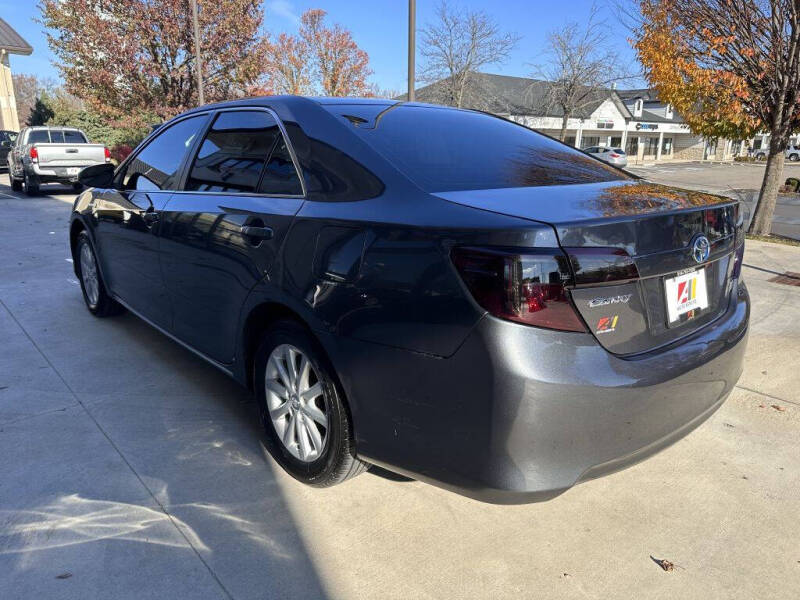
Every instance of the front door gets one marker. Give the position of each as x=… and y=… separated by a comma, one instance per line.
x=128, y=220
x=222, y=234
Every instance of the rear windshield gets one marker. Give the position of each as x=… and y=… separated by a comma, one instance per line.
x=443, y=150
x=56, y=136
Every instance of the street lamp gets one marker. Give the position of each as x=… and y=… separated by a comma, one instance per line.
x=197, y=60
x=412, y=46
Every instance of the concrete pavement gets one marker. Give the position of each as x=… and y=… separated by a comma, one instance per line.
x=147, y=478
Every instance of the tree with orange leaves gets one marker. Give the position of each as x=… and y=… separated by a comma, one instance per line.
x=731, y=68
x=318, y=60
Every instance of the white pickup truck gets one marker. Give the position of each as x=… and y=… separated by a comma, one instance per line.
x=51, y=155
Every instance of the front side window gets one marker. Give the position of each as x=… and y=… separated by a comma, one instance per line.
x=244, y=151
x=157, y=166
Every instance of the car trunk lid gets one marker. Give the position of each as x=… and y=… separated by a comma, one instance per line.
x=632, y=250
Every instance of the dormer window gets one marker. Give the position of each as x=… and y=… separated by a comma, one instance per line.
x=669, y=111
x=637, y=108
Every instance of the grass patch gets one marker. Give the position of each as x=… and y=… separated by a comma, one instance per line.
x=775, y=239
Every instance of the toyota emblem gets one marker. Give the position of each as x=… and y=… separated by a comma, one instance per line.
x=701, y=248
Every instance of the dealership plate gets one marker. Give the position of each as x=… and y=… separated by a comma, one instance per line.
x=685, y=293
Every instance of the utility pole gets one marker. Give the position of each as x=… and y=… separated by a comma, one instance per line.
x=412, y=46
x=198, y=61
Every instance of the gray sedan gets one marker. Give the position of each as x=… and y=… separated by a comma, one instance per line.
x=613, y=156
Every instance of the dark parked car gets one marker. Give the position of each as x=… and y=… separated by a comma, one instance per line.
x=440, y=292
x=7, y=139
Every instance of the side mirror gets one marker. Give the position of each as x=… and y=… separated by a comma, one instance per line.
x=98, y=176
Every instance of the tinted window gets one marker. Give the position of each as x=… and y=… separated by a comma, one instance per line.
x=449, y=150
x=156, y=166
x=234, y=153
x=280, y=176
x=74, y=137
x=39, y=136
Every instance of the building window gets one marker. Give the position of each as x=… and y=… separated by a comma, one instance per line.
x=590, y=140
x=666, y=146
x=669, y=112
x=632, y=147
x=605, y=124
x=637, y=108
x=757, y=144
x=570, y=140
x=616, y=142
x=650, y=146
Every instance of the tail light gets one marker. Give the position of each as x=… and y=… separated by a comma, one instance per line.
x=108, y=154
x=34, y=154
x=601, y=265
x=528, y=288
x=614, y=155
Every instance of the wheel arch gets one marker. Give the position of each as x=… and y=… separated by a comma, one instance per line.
x=259, y=319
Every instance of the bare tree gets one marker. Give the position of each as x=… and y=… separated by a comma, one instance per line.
x=581, y=65
x=459, y=44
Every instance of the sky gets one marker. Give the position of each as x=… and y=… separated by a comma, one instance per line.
x=378, y=26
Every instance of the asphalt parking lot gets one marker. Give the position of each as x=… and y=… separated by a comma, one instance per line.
x=737, y=180
x=148, y=479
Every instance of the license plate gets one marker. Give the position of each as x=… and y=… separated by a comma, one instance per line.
x=685, y=293
x=73, y=170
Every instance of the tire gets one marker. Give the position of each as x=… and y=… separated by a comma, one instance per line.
x=99, y=303
x=30, y=189
x=761, y=156
x=336, y=461
x=794, y=157
x=16, y=184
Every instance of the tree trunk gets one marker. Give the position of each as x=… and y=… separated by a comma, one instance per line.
x=762, y=219
x=564, y=121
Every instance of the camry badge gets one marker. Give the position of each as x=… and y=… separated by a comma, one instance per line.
x=701, y=248
x=601, y=301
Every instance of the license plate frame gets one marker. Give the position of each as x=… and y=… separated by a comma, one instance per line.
x=685, y=292
x=71, y=171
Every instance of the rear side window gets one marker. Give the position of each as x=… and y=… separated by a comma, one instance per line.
x=157, y=166
x=449, y=150
x=244, y=151
x=39, y=136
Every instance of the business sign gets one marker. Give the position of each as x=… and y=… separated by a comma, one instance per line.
x=646, y=126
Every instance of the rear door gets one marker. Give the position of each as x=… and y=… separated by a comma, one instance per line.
x=128, y=219
x=221, y=235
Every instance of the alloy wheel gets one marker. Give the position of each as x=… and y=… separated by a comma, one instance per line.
x=91, y=283
x=296, y=403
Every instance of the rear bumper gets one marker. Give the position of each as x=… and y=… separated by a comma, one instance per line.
x=56, y=174
x=520, y=414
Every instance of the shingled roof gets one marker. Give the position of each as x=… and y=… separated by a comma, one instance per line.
x=504, y=94
x=11, y=41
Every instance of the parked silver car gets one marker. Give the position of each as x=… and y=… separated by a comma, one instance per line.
x=613, y=156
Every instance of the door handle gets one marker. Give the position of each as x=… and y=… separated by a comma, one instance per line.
x=150, y=218
x=260, y=233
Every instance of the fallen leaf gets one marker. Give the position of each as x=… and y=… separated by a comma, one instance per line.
x=778, y=408
x=663, y=563
x=66, y=575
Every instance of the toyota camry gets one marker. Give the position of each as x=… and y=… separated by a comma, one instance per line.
x=441, y=292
